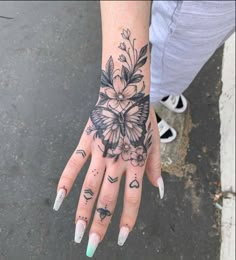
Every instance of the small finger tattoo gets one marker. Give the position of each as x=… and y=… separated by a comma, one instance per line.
x=82, y=152
x=95, y=172
x=103, y=212
x=83, y=218
x=64, y=187
x=127, y=226
x=134, y=183
x=88, y=195
x=112, y=180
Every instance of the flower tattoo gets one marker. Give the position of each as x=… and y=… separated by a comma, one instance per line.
x=120, y=117
x=124, y=149
x=138, y=157
x=120, y=95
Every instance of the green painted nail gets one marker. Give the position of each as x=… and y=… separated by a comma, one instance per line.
x=93, y=242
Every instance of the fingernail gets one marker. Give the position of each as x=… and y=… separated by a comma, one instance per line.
x=59, y=199
x=160, y=184
x=79, y=230
x=93, y=242
x=124, y=232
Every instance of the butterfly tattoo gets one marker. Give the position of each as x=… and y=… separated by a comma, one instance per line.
x=112, y=125
x=103, y=212
x=120, y=117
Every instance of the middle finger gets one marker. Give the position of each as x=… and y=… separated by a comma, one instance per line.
x=105, y=207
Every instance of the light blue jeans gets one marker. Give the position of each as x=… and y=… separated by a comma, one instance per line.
x=184, y=35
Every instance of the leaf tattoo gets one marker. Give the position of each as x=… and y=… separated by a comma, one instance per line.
x=107, y=75
x=119, y=119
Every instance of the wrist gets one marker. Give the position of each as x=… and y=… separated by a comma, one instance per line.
x=125, y=77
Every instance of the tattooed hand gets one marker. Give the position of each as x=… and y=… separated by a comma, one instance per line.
x=121, y=136
x=120, y=117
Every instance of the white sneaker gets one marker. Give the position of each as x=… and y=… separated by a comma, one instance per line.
x=167, y=133
x=172, y=103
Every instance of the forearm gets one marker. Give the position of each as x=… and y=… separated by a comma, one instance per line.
x=133, y=17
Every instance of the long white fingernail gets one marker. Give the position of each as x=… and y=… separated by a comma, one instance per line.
x=79, y=230
x=93, y=242
x=124, y=232
x=59, y=199
x=161, y=186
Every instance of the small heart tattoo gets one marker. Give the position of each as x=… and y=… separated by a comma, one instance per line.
x=134, y=184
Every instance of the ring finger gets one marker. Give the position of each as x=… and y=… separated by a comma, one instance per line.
x=88, y=195
x=132, y=199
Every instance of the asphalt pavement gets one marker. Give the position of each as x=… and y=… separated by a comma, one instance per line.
x=50, y=56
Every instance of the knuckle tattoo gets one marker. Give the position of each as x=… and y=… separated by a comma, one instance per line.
x=94, y=172
x=134, y=184
x=82, y=218
x=81, y=152
x=88, y=195
x=65, y=188
x=112, y=180
x=103, y=213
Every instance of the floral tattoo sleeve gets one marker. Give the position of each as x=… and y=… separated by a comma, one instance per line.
x=120, y=117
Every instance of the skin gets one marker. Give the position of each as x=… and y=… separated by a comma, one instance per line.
x=116, y=15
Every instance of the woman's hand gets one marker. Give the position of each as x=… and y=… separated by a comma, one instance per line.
x=121, y=137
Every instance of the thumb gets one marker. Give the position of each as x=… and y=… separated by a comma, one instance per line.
x=153, y=166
